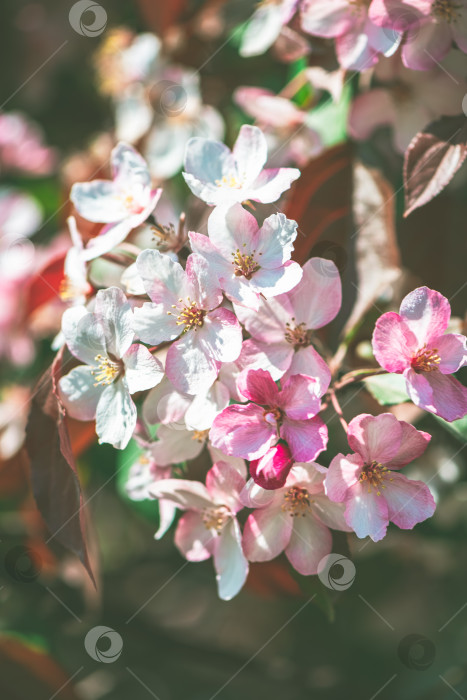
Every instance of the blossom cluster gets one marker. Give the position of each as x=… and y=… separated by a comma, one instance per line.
x=209, y=341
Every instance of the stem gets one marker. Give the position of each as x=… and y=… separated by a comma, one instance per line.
x=357, y=375
x=292, y=87
x=338, y=409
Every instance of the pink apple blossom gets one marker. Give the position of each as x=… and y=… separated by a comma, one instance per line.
x=358, y=40
x=220, y=176
x=431, y=27
x=282, y=329
x=185, y=305
x=122, y=203
x=295, y=518
x=115, y=367
x=209, y=527
x=290, y=414
x=175, y=444
x=248, y=261
x=406, y=100
x=414, y=343
x=22, y=147
x=368, y=482
x=290, y=139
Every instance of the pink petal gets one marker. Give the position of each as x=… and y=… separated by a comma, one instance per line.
x=438, y=393
x=393, y=342
x=274, y=243
x=241, y=431
x=413, y=444
x=163, y=278
x=327, y=18
x=189, y=364
x=306, y=438
x=229, y=561
x=225, y=484
x=192, y=538
x=329, y=513
x=452, y=350
x=317, y=299
x=274, y=358
x=205, y=289
x=266, y=533
x=268, y=324
x=309, y=543
x=300, y=398
x=426, y=45
x=426, y=313
x=184, y=493
x=409, y=502
x=342, y=475
x=307, y=361
x=257, y=385
x=232, y=228
x=271, y=471
x=271, y=283
x=367, y=513
x=370, y=111
x=175, y=445
x=142, y=370
x=250, y=152
x=271, y=183
x=221, y=335
x=375, y=438
x=354, y=51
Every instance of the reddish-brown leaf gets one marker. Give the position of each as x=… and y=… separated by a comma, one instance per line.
x=321, y=200
x=161, y=16
x=54, y=478
x=28, y=672
x=432, y=159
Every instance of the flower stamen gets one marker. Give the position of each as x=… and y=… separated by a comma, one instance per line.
x=106, y=371
x=244, y=265
x=373, y=474
x=426, y=360
x=215, y=518
x=296, y=502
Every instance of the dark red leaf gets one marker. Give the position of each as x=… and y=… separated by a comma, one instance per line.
x=432, y=159
x=161, y=16
x=54, y=478
x=321, y=200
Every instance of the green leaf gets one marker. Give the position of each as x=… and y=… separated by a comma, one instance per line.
x=313, y=588
x=387, y=389
x=330, y=119
x=458, y=428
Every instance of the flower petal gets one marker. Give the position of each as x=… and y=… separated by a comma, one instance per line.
x=409, y=502
x=175, y=445
x=190, y=365
x=275, y=240
x=306, y=438
x=250, y=152
x=309, y=543
x=375, y=438
x=116, y=415
x=394, y=344
x=184, y=493
x=367, y=513
x=79, y=393
x=272, y=469
x=413, y=444
x=225, y=484
x=163, y=279
x=241, y=431
x=271, y=183
x=310, y=363
x=317, y=299
x=221, y=335
x=300, y=397
x=438, y=393
x=426, y=313
x=230, y=563
x=192, y=538
x=114, y=312
x=142, y=370
x=257, y=385
x=452, y=349
x=266, y=533
x=342, y=475
x=154, y=325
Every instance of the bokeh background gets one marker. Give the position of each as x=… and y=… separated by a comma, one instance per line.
x=400, y=630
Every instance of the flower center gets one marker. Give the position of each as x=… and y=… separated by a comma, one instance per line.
x=373, y=474
x=231, y=181
x=131, y=205
x=106, y=370
x=296, y=502
x=190, y=315
x=244, y=265
x=68, y=290
x=426, y=360
x=215, y=518
x=297, y=335
x=200, y=435
x=273, y=415
x=446, y=10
